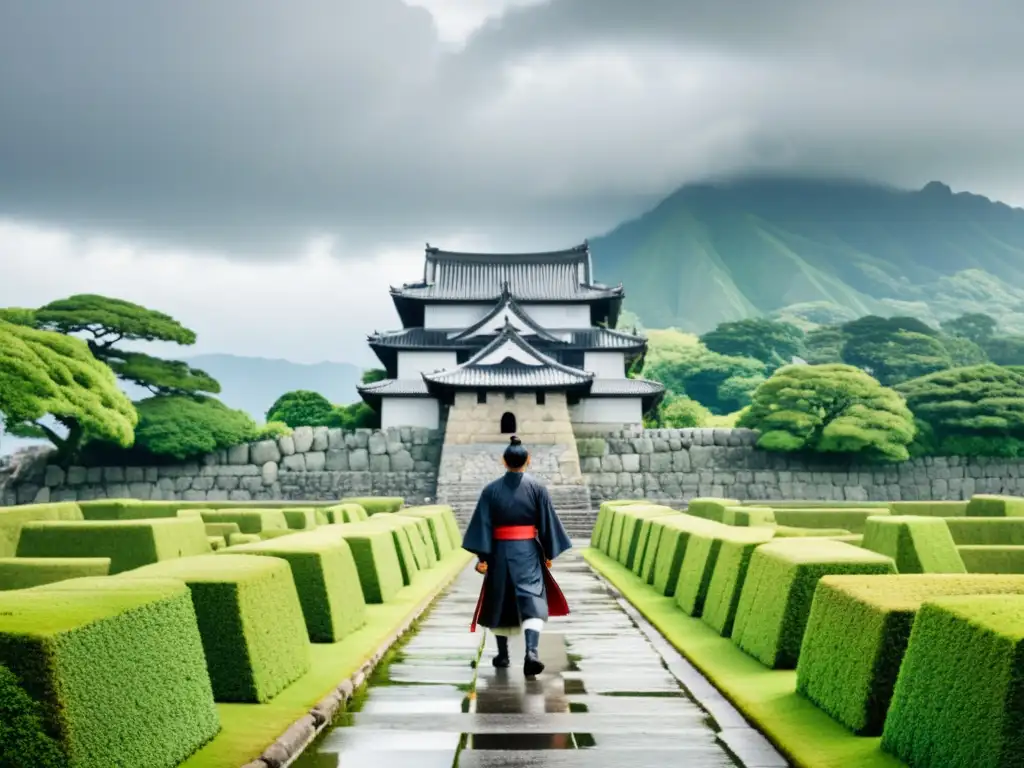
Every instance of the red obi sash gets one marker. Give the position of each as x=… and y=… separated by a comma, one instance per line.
x=557, y=604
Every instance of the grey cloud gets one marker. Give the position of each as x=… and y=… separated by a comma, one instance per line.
x=248, y=126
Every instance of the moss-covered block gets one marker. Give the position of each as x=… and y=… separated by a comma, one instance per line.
x=238, y=539
x=248, y=520
x=992, y=559
x=776, y=598
x=375, y=505
x=300, y=518
x=791, y=532
x=916, y=544
x=726, y=584
x=446, y=515
x=128, y=543
x=929, y=508
x=850, y=519
x=376, y=557
x=672, y=544
x=857, y=634
x=326, y=579
x=992, y=505
x=250, y=619
x=26, y=572
x=405, y=537
x=440, y=528
x=748, y=516
x=427, y=555
x=711, y=508
x=958, y=697
x=650, y=557
x=221, y=529
x=637, y=532
x=591, y=447
x=118, y=669
x=216, y=542
x=12, y=519
x=977, y=531
x=345, y=513
x=604, y=515
x=700, y=560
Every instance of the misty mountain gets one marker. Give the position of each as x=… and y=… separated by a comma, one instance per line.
x=715, y=252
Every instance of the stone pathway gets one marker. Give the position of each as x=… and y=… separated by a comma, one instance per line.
x=614, y=692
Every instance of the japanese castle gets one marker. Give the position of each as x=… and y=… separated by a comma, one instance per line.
x=528, y=334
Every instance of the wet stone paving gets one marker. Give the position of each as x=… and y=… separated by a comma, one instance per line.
x=614, y=693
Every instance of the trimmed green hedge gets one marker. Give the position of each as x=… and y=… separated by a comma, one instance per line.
x=250, y=619
x=929, y=508
x=326, y=579
x=121, y=509
x=748, y=516
x=650, y=557
x=990, y=505
x=633, y=538
x=726, y=584
x=850, y=519
x=992, y=559
x=957, y=701
x=1004, y=531
x=412, y=549
x=23, y=737
x=427, y=555
x=238, y=539
x=818, y=504
x=345, y=513
x=216, y=542
x=791, y=532
x=675, y=536
x=12, y=519
x=117, y=667
x=300, y=518
x=779, y=588
x=444, y=531
x=221, y=529
x=128, y=543
x=711, y=508
x=376, y=557
x=700, y=560
x=601, y=535
x=857, y=634
x=248, y=520
x=916, y=544
x=375, y=505
x=25, y=572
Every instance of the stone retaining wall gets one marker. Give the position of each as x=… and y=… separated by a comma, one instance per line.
x=679, y=464
x=311, y=464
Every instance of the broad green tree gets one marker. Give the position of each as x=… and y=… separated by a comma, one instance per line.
x=1005, y=350
x=106, y=322
x=976, y=326
x=824, y=345
x=830, y=409
x=976, y=411
x=372, y=375
x=301, y=408
x=680, y=412
x=354, y=416
x=894, y=349
x=49, y=374
x=772, y=342
x=183, y=426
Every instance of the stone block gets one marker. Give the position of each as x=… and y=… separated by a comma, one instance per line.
x=378, y=444
x=402, y=462
x=321, y=439
x=316, y=461
x=359, y=460
x=610, y=463
x=630, y=462
x=295, y=462
x=660, y=462
x=238, y=455
x=263, y=451
x=335, y=439
x=113, y=474
x=681, y=461
x=302, y=438
x=226, y=483
x=380, y=462
x=53, y=476
x=286, y=445
x=336, y=461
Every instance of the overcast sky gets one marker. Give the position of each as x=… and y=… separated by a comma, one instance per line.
x=264, y=170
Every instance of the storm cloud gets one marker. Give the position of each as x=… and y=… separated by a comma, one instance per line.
x=246, y=128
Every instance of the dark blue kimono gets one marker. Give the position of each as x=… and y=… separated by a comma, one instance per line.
x=515, y=583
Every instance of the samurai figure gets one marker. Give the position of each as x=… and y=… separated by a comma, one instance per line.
x=515, y=534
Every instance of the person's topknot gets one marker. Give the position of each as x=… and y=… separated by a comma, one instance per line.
x=515, y=440
x=515, y=454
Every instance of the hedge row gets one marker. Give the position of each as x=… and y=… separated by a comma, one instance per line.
x=916, y=544
x=26, y=572
x=12, y=519
x=992, y=559
x=117, y=667
x=857, y=635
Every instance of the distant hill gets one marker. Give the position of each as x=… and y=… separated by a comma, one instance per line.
x=715, y=252
x=253, y=384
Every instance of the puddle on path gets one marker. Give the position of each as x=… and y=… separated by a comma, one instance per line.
x=609, y=688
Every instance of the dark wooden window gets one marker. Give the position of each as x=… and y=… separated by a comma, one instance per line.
x=540, y=398
x=508, y=423
x=481, y=397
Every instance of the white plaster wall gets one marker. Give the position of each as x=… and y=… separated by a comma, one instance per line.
x=607, y=410
x=409, y=412
x=412, y=364
x=605, y=365
x=454, y=316
x=559, y=315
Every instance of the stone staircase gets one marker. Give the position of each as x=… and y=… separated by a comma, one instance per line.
x=466, y=469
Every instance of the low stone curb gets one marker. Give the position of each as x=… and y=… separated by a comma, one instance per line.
x=287, y=747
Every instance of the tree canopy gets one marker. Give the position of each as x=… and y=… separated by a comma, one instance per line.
x=182, y=426
x=372, y=375
x=830, y=409
x=355, y=416
x=49, y=374
x=1005, y=350
x=772, y=342
x=301, y=408
x=894, y=349
x=977, y=410
x=679, y=412
x=105, y=322
x=976, y=326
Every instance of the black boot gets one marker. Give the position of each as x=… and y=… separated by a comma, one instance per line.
x=532, y=665
x=501, y=661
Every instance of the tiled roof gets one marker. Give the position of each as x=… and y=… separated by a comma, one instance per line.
x=395, y=387
x=625, y=388
x=551, y=276
x=507, y=306
x=430, y=338
x=543, y=372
